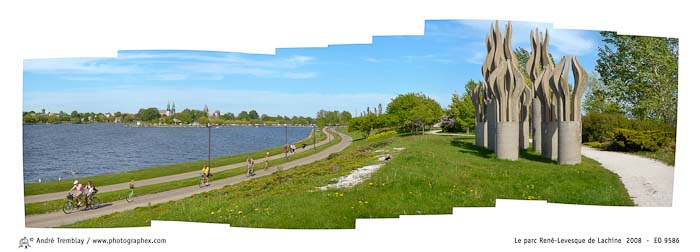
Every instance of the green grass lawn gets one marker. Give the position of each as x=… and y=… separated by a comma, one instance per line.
x=667, y=157
x=55, y=205
x=431, y=176
x=159, y=171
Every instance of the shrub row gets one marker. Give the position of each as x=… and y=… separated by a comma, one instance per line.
x=602, y=127
x=382, y=134
x=634, y=140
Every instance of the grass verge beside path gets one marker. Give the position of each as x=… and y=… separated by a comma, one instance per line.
x=666, y=157
x=431, y=176
x=55, y=205
x=159, y=171
x=355, y=135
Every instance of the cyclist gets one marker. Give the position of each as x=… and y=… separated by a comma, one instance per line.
x=77, y=190
x=251, y=163
x=90, y=190
x=206, y=173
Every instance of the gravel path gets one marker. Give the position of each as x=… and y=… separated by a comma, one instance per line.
x=648, y=182
x=54, y=219
x=163, y=179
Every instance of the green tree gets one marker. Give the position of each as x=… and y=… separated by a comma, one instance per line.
x=253, y=115
x=345, y=117
x=461, y=110
x=243, y=116
x=595, y=97
x=641, y=74
x=414, y=110
x=149, y=114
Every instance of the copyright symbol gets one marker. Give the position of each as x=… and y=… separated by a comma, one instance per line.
x=31, y=239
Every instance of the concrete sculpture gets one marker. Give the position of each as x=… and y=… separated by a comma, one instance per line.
x=568, y=108
x=508, y=85
x=525, y=102
x=539, y=67
x=534, y=66
x=494, y=56
x=480, y=133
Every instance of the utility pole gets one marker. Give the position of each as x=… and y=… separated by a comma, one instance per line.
x=209, y=127
x=286, y=147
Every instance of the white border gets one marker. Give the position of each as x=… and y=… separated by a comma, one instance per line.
x=47, y=29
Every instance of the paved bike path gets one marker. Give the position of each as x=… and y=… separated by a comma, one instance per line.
x=59, y=218
x=168, y=178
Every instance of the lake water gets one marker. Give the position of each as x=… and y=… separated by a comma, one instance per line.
x=78, y=150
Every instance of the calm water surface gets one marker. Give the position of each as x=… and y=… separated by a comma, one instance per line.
x=79, y=150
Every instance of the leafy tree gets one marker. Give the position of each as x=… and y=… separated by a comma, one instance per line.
x=203, y=120
x=595, y=97
x=243, y=116
x=414, y=110
x=253, y=115
x=641, y=74
x=149, y=114
x=345, y=117
x=461, y=110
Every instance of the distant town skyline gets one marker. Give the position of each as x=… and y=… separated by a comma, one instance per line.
x=294, y=81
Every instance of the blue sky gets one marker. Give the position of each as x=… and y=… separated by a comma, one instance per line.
x=294, y=81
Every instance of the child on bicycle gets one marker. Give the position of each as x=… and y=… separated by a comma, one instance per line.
x=206, y=173
x=90, y=190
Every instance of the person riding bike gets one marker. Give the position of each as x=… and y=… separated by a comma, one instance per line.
x=89, y=191
x=206, y=173
x=77, y=190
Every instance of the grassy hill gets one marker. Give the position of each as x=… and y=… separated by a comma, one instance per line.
x=431, y=176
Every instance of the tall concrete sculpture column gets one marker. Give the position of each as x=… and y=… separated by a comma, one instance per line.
x=525, y=102
x=535, y=65
x=550, y=137
x=494, y=56
x=568, y=109
x=508, y=85
x=480, y=133
x=540, y=67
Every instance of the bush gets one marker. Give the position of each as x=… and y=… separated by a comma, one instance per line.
x=601, y=127
x=383, y=134
x=634, y=140
x=594, y=144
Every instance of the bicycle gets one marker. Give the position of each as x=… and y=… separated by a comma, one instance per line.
x=130, y=196
x=95, y=203
x=69, y=206
x=201, y=180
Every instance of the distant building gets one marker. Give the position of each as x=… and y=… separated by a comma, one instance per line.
x=169, y=110
x=206, y=110
x=216, y=114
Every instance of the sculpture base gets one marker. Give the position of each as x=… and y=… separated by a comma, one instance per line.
x=491, y=126
x=524, y=138
x=569, y=143
x=536, y=126
x=550, y=138
x=507, y=140
x=481, y=134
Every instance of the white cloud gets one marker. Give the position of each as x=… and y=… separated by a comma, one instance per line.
x=572, y=42
x=76, y=65
x=562, y=42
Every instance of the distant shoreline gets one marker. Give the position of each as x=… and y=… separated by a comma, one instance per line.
x=177, y=126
